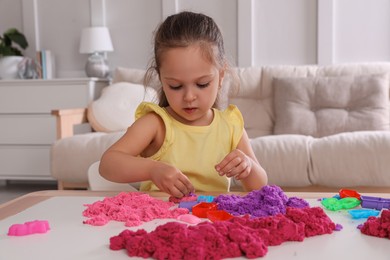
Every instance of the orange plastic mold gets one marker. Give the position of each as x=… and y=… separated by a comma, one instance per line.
x=345, y=193
x=200, y=210
x=218, y=215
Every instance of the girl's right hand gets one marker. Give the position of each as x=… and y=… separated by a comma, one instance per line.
x=171, y=180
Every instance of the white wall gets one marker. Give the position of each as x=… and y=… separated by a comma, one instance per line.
x=364, y=34
x=285, y=32
x=256, y=32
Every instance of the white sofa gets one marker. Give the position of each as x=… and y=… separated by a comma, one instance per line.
x=311, y=127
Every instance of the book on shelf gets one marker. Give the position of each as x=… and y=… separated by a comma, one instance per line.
x=39, y=63
x=45, y=58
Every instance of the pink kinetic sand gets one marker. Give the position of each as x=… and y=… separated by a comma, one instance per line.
x=28, y=228
x=378, y=227
x=189, y=197
x=240, y=236
x=133, y=208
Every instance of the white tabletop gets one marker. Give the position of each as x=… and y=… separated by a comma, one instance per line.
x=69, y=238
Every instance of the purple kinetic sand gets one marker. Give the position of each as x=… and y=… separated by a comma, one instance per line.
x=268, y=201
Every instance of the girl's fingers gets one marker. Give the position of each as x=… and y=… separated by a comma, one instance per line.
x=187, y=185
x=233, y=167
x=181, y=187
x=174, y=191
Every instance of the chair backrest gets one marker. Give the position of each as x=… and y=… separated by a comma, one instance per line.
x=98, y=183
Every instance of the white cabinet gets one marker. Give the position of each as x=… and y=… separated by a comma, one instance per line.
x=27, y=128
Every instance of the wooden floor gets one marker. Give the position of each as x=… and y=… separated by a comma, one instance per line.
x=10, y=190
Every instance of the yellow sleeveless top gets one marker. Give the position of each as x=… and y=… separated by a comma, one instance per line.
x=195, y=150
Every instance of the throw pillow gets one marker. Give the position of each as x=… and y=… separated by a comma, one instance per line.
x=322, y=106
x=122, y=74
x=115, y=109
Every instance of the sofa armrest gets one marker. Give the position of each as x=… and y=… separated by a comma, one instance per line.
x=66, y=119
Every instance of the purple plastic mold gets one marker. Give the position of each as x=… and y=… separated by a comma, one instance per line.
x=374, y=202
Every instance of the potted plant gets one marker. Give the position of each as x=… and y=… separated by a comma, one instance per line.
x=12, y=42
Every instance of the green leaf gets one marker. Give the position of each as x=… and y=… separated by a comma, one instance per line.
x=15, y=36
x=9, y=51
x=10, y=37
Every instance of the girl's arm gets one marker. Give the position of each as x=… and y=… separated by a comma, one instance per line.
x=123, y=162
x=243, y=165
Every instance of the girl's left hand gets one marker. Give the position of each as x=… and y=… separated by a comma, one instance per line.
x=236, y=164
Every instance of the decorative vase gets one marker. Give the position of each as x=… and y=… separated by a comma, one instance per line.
x=97, y=66
x=9, y=67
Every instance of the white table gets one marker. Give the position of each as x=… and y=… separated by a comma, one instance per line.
x=69, y=238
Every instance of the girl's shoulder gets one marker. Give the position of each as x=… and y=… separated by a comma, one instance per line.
x=147, y=107
x=152, y=116
x=148, y=111
x=232, y=113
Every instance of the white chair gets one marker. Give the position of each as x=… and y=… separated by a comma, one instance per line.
x=98, y=183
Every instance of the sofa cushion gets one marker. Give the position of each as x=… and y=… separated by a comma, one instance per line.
x=248, y=98
x=351, y=159
x=322, y=106
x=114, y=110
x=285, y=158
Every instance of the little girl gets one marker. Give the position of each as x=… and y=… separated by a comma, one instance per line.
x=185, y=143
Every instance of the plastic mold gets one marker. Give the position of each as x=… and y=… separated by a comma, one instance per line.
x=345, y=193
x=32, y=227
x=375, y=202
x=187, y=204
x=338, y=204
x=190, y=219
x=200, y=210
x=218, y=215
x=363, y=213
x=204, y=198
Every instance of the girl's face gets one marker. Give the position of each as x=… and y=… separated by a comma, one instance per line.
x=190, y=83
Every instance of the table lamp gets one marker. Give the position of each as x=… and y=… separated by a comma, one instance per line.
x=96, y=41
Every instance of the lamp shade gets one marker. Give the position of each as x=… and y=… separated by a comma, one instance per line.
x=95, y=39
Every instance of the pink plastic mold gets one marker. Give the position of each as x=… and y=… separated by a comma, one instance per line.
x=31, y=227
x=189, y=218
